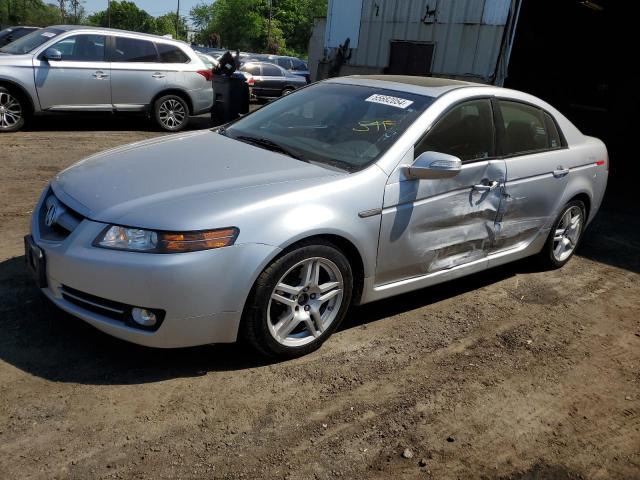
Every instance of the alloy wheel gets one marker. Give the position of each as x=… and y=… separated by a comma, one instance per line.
x=567, y=233
x=172, y=114
x=305, y=302
x=10, y=110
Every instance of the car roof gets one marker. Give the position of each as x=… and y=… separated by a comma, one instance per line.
x=430, y=86
x=69, y=28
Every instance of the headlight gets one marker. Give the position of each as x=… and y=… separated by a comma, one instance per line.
x=139, y=240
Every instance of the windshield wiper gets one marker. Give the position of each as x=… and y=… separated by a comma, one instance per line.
x=269, y=145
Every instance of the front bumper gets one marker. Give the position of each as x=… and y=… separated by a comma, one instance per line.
x=202, y=293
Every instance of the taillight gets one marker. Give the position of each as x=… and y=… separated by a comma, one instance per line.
x=208, y=74
x=251, y=81
x=600, y=163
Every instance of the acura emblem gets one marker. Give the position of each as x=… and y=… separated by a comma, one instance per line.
x=51, y=216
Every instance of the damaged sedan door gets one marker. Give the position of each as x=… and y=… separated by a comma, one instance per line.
x=429, y=225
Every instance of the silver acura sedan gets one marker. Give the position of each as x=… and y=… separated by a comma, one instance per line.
x=344, y=192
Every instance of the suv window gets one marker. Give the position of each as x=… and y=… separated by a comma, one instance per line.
x=271, y=71
x=284, y=62
x=466, y=131
x=171, y=53
x=134, y=50
x=299, y=65
x=82, y=48
x=524, y=128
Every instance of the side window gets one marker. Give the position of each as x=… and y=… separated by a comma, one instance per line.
x=524, y=128
x=554, y=135
x=134, y=50
x=252, y=69
x=171, y=54
x=271, y=71
x=82, y=48
x=299, y=65
x=466, y=131
x=284, y=62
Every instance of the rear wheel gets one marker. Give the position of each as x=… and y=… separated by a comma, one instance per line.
x=565, y=235
x=12, y=111
x=171, y=113
x=287, y=91
x=298, y=301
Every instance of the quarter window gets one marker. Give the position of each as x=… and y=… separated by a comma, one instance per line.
x=554, y=136
x=82, y=48
x=171, y=53
x=524, y=129
x=134, y=50
x=466, y=131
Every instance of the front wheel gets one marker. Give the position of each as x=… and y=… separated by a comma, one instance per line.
x=287, y=91
x=298, y=301
x=565, y=235
x=171, y=113
x=12, y=111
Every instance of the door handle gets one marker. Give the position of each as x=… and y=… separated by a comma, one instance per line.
x=158, y=75
x=100, y=75
x=560, y=172
x=489, y=187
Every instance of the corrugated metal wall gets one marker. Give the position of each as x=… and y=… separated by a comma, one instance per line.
x=467, y=33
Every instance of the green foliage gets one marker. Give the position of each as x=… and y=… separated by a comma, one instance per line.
x=244, y=24
x=126, y=15
x=29, y=12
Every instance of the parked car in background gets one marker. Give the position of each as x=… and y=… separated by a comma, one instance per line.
x=209, y=61
x=12, y=34
x=291, y=64
x=348, y=191
x=82, y=69
x=270, y=80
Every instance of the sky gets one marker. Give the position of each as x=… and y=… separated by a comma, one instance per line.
x=153, y=7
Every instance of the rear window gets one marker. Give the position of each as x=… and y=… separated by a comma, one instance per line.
x=252, y=69
x=524, y=128
x=134, y=50
x=171, y=53
x=271, y=71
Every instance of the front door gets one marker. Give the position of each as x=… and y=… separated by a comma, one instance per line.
x=433, y=225
x=81, y=80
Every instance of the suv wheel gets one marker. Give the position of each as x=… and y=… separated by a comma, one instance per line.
x=565, y=235
x=12, y=111
x=298, y=301
x=171, y=113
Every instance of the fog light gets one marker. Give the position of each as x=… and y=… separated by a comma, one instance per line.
x=143, y=317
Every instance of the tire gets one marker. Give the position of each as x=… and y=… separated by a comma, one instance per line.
x=569, y=234
x=171, y=113
x=13, y=111
x=287, y=91
x=287, y=317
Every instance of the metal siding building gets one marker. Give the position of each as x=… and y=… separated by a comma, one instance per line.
x=459, y=38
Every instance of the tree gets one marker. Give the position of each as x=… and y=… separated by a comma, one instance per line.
x=166, y=25
x=126, y=16
x=29, y=12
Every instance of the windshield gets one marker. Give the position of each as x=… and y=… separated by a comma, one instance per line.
x=32, y=41
x=347, y=126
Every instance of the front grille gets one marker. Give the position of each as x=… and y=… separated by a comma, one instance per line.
x=56, y=220
x=120, y=312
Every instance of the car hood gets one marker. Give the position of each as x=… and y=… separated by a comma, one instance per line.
x=180, y=182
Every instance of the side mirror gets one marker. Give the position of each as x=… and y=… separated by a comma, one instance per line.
x=52, y=55
x=433, y=166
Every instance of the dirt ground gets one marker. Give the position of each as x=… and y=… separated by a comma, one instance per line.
x=512, y=373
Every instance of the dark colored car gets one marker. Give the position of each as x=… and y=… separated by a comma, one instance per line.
x=271, y=81
x=11, y=34
x=291, y=64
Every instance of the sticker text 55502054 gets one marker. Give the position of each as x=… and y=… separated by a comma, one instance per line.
x=389, y=100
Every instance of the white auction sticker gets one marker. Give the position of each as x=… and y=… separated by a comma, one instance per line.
x=389, y=100
x=48, y=34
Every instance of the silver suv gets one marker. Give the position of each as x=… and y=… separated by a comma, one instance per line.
x=89, y=69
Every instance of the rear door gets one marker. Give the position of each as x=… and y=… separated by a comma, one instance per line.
x=137, y=74
x=80, y=81
x=433, y=225
x=538, y=168
x=272, y=80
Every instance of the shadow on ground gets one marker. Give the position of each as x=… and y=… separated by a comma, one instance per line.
x=40, y=339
